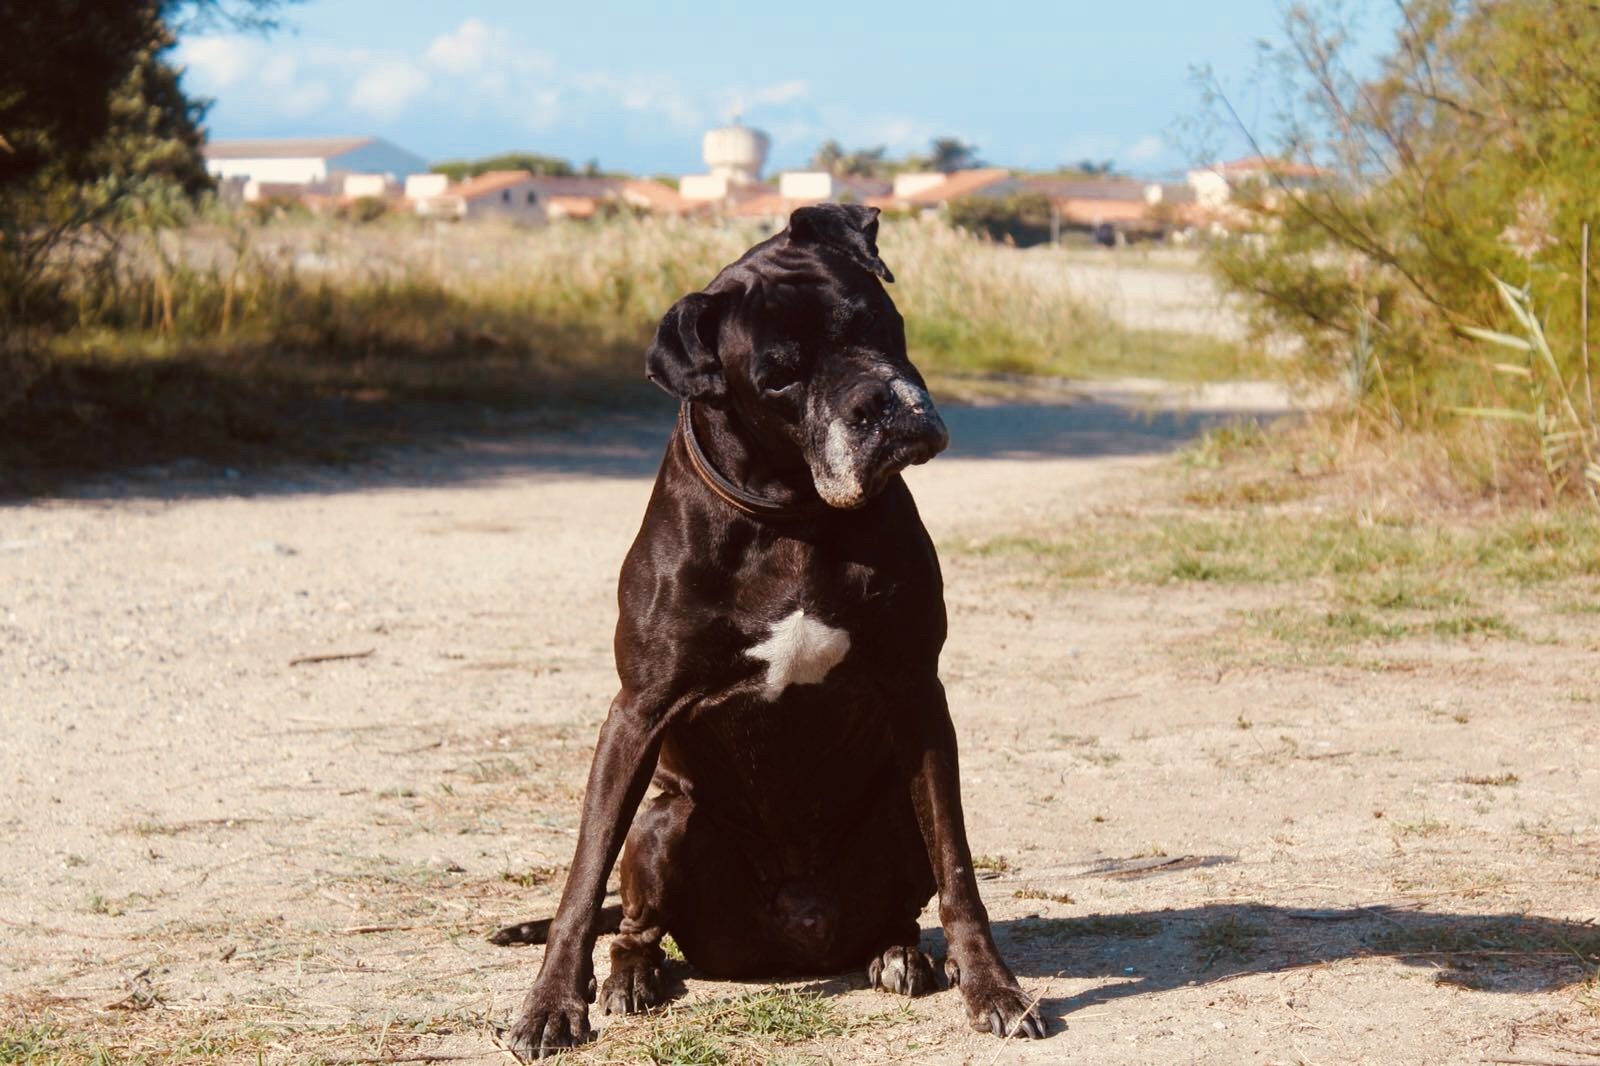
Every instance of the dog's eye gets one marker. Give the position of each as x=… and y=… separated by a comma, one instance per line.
x=787, y=392
x=779, y=380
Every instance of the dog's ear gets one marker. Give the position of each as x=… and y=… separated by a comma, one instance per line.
x=682, y=359
x=848, y=228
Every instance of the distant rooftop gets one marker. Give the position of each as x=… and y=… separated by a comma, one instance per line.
x=490, y=181
x=956, y=184
x=286, y=148
x=1262, y=165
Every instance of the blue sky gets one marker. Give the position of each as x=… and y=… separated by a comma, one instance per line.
x=634, y=84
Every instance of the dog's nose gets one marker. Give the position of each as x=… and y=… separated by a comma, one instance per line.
x=930, y=439
x=865, y=403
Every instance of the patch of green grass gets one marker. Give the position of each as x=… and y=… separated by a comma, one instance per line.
x=33, y=1045
x=1369, y=579
x=1533, y=935
x=1055, y=930
x=1490, y=780
x=670, y=948
x=1232, y=937
x=53, y=1043
x=1372, y=561
x=1426, y=826
x=1039, y=893
x=783, y=1016
x=994, y=863
x=1474, y=625
x=681, y=1047
x=744, y=1029
x=1223, y=443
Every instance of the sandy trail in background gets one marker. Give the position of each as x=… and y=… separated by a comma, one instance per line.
x=317, y=849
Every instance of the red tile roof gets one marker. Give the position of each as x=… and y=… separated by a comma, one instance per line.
x=1261, y=164
x=490, y=181
x=955, y=185
x=654, y=195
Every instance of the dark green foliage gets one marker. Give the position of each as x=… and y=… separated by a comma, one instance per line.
x=95, y=131
x=951, y=153
x=1021, y=218
x=545, y=165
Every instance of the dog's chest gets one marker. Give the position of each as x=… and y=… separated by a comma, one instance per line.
x=799, y=649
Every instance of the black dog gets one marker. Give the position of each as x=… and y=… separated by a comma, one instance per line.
x=782, y=614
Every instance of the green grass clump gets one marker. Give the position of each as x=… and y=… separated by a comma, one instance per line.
x=1580, y=942
x=681, y=1047
x=1377, y=561
x=1231, y=937
x=744, y=1029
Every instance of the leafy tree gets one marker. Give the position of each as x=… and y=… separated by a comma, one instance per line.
x=545, y=165
x=94, y=126
x=949, y=154
x=1394, y=198
x=865, y=163
x=1088, y=167
x=828, y=156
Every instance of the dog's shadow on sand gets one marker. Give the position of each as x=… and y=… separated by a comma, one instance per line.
x=1148, y=952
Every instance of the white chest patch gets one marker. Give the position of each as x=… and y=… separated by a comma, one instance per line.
x=799, y=651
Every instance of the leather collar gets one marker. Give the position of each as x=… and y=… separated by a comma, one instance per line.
x=740, y=499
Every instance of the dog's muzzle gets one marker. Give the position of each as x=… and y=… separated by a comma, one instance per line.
x=881, y=426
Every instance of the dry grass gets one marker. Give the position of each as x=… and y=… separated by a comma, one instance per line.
x=233, y=341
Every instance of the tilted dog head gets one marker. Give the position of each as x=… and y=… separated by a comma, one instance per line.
x=800, y=342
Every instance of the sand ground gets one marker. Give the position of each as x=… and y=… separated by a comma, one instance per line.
x=215, y=849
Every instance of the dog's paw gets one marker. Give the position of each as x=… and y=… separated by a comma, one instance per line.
x=548, y=1022
x=1001, y=1008
x=633, y=986
x=903, y=971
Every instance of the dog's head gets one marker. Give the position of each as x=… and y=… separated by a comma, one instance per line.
x=800, y=342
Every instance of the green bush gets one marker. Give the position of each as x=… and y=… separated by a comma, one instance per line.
x=1470, y=155
x=1021, y=219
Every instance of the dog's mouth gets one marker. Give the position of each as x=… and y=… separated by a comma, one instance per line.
x=857, y=458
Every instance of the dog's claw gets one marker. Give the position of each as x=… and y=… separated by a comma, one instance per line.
x=632, y=989
x=1004, y=1010
x=548, y=1024
x=952, y=972
x=903, y=971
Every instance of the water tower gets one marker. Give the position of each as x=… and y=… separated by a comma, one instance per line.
x=735, y=153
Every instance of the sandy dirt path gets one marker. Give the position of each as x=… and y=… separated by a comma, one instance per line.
x=215, y=850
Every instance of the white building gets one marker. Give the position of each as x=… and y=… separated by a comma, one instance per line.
x=1214, y=185
x=734, y=156
x=311, y=161
x=512, y=195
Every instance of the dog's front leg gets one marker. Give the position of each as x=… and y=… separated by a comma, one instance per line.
x=555, y=1013
x=994, y=1000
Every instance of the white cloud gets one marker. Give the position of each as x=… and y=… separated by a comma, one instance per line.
x=218, y=62
x=1144, y=149
x=279, y=71
x=304, y=98
x=385, y=89
x=463, y=50
x=783, y=92
x=646, y=95
x=487, y=56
